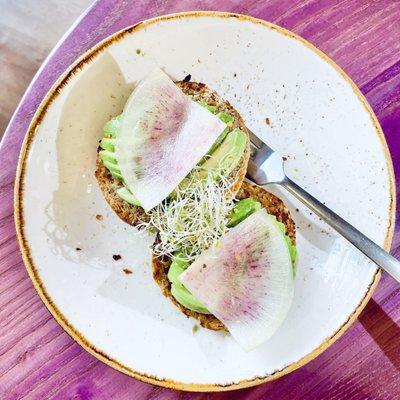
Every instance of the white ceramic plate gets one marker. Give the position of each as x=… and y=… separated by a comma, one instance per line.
x=317, y=118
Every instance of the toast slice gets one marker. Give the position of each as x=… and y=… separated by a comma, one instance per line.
x=272, y=204
x=133, y=215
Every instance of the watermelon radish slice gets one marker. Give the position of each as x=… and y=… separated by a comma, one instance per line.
x=163, y=135
x=245, y=280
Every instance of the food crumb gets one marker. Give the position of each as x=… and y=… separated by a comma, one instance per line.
x=234, y=75
x=99, y=217
x=195, y=328
x=116, y=257
x=127, y=271
x=138, y=51
x=267, y=121
x=78, y=249
x=187, y=78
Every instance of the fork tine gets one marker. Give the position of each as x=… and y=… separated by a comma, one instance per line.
x=259, y=151
x=265, y=165
x=255, y=140
x=253, y=150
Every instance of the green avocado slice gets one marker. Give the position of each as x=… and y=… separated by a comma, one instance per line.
x=216, y=144
x=112, y=167
x=180, y=293
x=226, y=156
x=108, y=144
x=176, y=268
x=127, y=195
x=107, y=155
x=116, y=175
x=291, y=247
x=183, y=296
x=242, y=210
x=224, y=117
x=112, y=127
x=212, y=109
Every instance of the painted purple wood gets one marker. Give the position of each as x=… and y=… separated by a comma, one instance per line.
x=38, y=360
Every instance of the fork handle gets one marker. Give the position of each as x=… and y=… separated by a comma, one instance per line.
x=353, y=235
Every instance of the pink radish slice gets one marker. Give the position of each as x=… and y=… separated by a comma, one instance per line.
x=245, y=280
x=164, y=134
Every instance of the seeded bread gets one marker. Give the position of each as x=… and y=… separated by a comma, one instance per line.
x=133, y=215
x=272, y=204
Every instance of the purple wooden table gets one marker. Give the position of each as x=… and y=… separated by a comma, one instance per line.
x=38, y=360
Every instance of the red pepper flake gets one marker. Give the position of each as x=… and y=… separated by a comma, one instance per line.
x=116, y=257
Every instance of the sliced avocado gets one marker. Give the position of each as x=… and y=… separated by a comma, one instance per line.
x=107, y=155
x=113, y=168
x=291, y=247
x=176, y=268
x=127, y=195
x=174, y=271
x=179, y=258
x=108, y=144
x=217, y=143
x=293, y=254
x=242, y=210
x=224, y=117
x=116, y=175
x=183, y=296
x=226, y=156
x=180, y=293
x=210, y=108
x=112, y=127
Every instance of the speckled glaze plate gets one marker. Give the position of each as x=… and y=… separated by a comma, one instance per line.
x=290, y=94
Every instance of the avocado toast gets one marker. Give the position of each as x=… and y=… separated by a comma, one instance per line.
x=108, y=174
x=173, y=163
x=250, y=199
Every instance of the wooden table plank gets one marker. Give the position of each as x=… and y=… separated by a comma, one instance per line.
x=39, y=361
x=28, y=31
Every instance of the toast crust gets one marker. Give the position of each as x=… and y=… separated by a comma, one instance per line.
x=272, y=204
x=134, y=215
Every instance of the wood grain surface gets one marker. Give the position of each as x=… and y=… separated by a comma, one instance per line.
x=28, y=31
x=38, y=360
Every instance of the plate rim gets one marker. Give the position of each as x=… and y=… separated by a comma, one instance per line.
x=37, y=118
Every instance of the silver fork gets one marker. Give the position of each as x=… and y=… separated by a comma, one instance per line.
x=266, y=167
